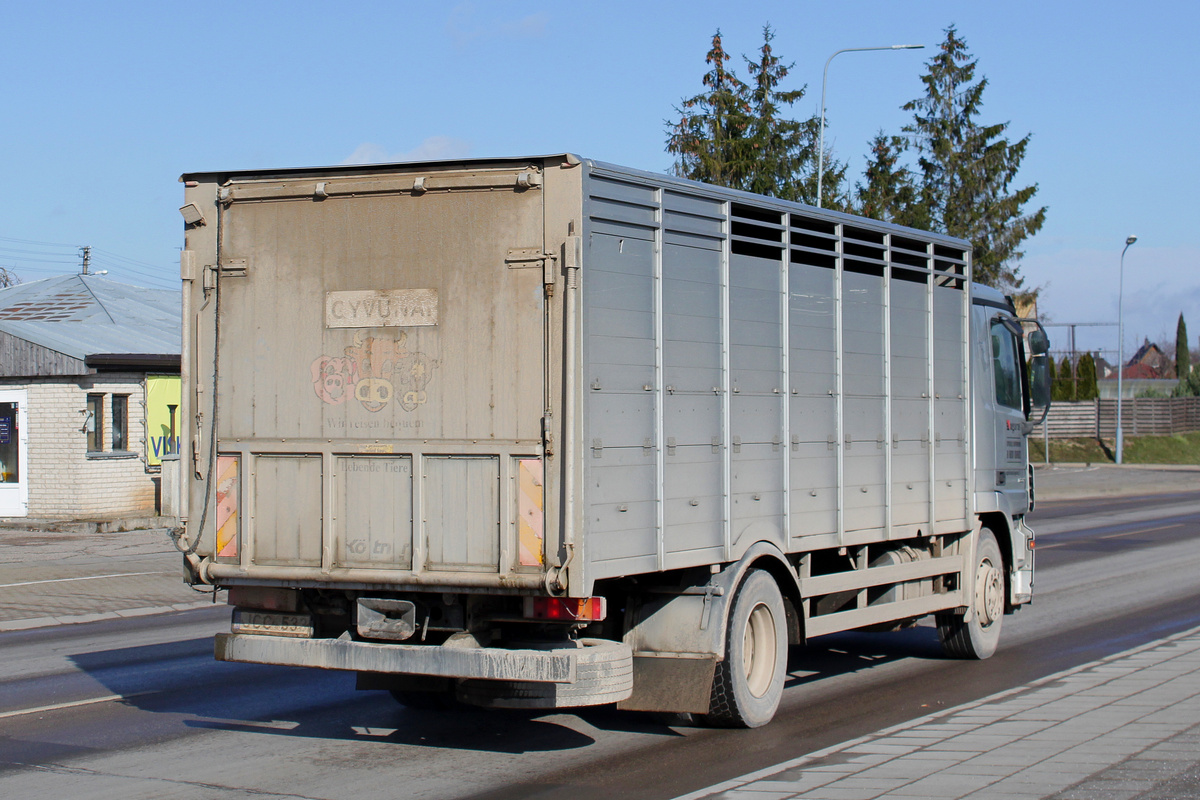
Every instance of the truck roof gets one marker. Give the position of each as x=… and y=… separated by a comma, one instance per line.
x=602, y=167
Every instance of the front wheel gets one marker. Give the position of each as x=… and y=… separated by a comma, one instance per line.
x=749, y=682
x=978, y=637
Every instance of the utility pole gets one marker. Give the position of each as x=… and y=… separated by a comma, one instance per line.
x=86, y=253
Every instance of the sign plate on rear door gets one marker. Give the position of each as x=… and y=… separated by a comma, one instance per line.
x=381, y=308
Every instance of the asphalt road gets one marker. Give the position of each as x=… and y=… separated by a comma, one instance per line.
x=137, y=708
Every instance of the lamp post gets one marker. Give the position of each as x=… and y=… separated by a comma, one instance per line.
x=824, y=79
x=1121, y=347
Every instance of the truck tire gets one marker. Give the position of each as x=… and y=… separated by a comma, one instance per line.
x=749, y=681
x=603, y=674
x=978, y=637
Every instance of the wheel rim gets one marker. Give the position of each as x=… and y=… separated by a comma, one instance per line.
x=989, y=592
x=758, y=650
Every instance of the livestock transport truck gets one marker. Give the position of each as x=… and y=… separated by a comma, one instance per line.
x=548, y=432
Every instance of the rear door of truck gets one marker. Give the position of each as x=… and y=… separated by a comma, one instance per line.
x=380, y=376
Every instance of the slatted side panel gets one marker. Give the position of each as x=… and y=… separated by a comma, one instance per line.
x=758, y=372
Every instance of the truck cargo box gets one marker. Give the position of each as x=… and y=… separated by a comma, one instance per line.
x=533, y=374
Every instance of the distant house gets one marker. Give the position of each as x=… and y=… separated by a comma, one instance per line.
x=1149, y=363
x=89, y=389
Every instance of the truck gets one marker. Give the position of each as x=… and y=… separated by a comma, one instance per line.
x=548, y=432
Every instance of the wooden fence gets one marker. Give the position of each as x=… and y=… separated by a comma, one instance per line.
x=1143, y=416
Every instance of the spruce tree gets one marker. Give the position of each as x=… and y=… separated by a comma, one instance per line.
x=1085, y=378
x=1063, y=388
x=889, y=193
x=778, y=147
x=709, y=140
x=833, y=191
x=967, y=167
x=737, y=134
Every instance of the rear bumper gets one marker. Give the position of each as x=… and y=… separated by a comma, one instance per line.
x=491, y=663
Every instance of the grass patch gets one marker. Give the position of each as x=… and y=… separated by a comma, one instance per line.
x=1070, y=451
x=1182, y=448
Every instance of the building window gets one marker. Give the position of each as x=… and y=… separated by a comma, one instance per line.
x=120, y=422
x=95, y=423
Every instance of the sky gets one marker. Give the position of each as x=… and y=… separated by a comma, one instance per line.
x=106, y=104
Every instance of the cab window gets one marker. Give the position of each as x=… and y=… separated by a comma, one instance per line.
x=1005, y=367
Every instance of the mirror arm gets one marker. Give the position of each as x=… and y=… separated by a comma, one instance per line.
x=1028, y=426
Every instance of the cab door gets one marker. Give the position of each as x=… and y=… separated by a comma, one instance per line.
x=1009, y=413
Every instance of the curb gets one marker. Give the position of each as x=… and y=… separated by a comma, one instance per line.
x=77, y=619
x=1109, y=465
x=83, y=526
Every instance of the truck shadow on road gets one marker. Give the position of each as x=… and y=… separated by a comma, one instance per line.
x=181, y=679
x=848, y=653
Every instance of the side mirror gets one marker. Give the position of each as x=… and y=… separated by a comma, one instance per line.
x=1039, y=342
x=1039, y=390
x=1039, y=376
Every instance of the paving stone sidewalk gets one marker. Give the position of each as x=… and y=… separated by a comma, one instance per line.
x=1124, y=727
x=59, y=577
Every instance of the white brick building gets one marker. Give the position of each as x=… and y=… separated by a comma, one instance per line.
x=88, y=389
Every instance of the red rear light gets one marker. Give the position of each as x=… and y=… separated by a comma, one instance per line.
x=566, y=609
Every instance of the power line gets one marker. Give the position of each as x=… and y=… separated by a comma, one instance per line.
x=28, y=259
x=42, y=260
x=31, y=252
x=119, y=257
x=32, y=241
x=164, y=274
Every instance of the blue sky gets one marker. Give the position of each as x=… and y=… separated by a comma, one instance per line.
x=106, y=104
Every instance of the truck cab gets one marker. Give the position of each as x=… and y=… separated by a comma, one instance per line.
x=1010, y=369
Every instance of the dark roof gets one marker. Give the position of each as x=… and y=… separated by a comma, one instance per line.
x=88, y=315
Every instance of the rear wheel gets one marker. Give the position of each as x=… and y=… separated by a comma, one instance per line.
x=749, y=682
x=978, y=637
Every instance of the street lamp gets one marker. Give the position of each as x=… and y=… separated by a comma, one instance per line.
x=824, y=79
x=1121, y=346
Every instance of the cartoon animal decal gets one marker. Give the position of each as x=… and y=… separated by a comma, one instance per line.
x=374, y=370
x=333, y=378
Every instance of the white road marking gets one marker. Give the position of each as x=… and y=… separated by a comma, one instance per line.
x=1113, y=536
x=75, y=704
x=1142, y=530
x=88, y=578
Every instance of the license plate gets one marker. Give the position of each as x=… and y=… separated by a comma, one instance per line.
x=272, y=623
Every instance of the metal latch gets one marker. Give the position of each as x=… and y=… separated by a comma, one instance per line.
x=533, y=258
x=234, y=267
